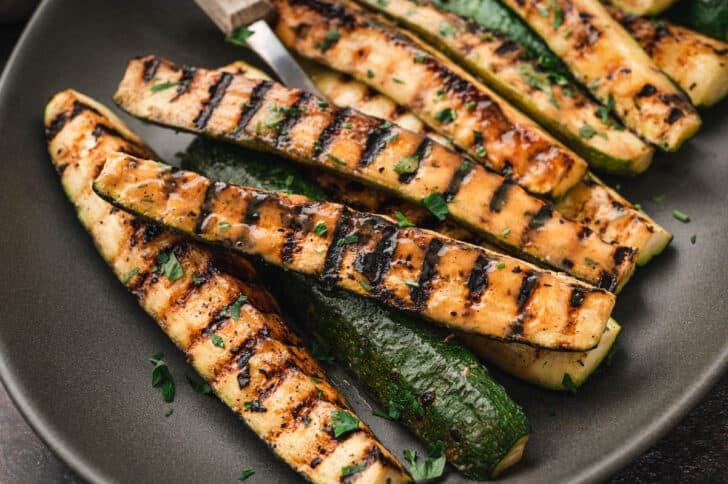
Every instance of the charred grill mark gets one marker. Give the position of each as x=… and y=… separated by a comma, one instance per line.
x=252, y=209
x=421, y=292
x=327, y=135
x=373, y=455
x=292, y=115
x=419, y=155
x=335, y=253
x=500, y=197
x=331, y=11
x=454, y=186
x=376, y=141
x=647, y=90
x=543, y=215
x=150, y=68
x=528, y=285
x=208, y=203
x=577, y=297
x=478, y=280
x=151, y=231
x=374, y=265
x=567, y=263
x=188, y=74
x=585, y=232
x=60, y=120
x=289, y=247
x=248, y=110
x=675, y=114
x=217, y=91
x=277, y=377
x=608, y=280
x=506, y=47
x=315, y=462
x=622, y=253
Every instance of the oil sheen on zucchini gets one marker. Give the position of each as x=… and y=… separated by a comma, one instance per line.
x=606, y=59
x=547, y=96
x=233, y=164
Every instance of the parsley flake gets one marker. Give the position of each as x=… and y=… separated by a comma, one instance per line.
x=342, y=422
x=420, y=57
x=329, y=39
x=236, y=306
x=402, y=221
x=446, y=116
x=245, y=474
x=428, y=468
x=436, y=204
x=164, y=85
x=203, y=388
x=501, y=265
x=681, y=216
x=351, y=470
x=169, y=266
x=217, y=340
x=367, y=287
x=161, y=377
x=128, y=276
x=239, y=36
x=587, y=132
x=320, y=229
x=224, y=226
x=407, y=165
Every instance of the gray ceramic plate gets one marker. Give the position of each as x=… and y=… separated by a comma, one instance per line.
x=74, y=345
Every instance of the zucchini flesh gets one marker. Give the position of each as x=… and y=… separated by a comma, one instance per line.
x=606, y=59
x=590, y=202
x=643, y=7
x=549, y=98
x=268, y=116
x=232, y=164
x=483, y=430
x=439, y=92
x=698, y=64
x=262, y=360
x=449, y=282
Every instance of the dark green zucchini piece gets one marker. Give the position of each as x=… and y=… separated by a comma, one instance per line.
x=707, y=16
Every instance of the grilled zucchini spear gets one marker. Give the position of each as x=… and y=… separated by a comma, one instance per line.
x=643, y=7
x=228, y=327
x=606, y=59
x=697, y=63
x=451, y=283
x=436, y=90
x=548, y=97
x=338, y=317
x=266, y=115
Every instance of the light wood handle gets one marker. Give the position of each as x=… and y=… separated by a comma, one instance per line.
x=228, y=15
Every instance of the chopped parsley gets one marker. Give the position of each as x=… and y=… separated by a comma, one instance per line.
x=412, y=283
x=128, y=276
x=391, y=137
x=382, y=3
x=604, y=111
x=397, y=80
x=590, y=262
x=217, y=340
x=447, y=29
x=336, y=159
x=346, y=125
x=446, y=115
x=681, y=216
x=587, y=132
x=370, y=73
x=224, y=226
x=342, y=422
x=254, y=406
x=506, y=232
x=538, y=80
x=693, y=238
x=407, y=165
x=482, y=152
x=203, y=388
x=351, y=470
x=323, y=105
x=568, y=383
x=329, y=39
x=245, y=474
x=558, y=14
x=420, y=57
x=348, y=239
x=428, y=468
x=658, y=198
x=315, y=380
x=236, y=306
x=320, y=229
x=501, y=265
x=436, y=204
x=367, y=287
x=169, y=412
x=239, y=36
x=161, y=377
x=164, y=85
x=402, y=221
x=168, y=265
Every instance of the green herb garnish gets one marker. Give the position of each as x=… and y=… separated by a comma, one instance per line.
x=203, y=388
x=169, y=266
x=407, y=165
x=161, y=377
x=367, y=287
x=590, y=262
x=500, y=265
x=239, y=36
x=402, y=221
x=329, y=39
x=245, y=474
x=224, y=226
x=320, y=229
x=420, y=57
x=568, y=383
x=428, y=468
x=336, y=159
x=217, y=340
x=681, y=216
x=164, y=85
x=436, y=204
x=236, y=306
x=128, y=276
x=446, y=116
x=342, y=422
x=351, y=470
x=587, y=132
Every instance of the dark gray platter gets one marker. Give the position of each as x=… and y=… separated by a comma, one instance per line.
x=74, y=345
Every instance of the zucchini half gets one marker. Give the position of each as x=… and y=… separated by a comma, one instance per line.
x=550, y=98
x=606, y=59
x=697, y=63
x=236, y=165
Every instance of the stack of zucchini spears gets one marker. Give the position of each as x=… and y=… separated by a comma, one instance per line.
x=446, y=177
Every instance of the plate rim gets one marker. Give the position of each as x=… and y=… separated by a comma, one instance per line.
x=602, y=469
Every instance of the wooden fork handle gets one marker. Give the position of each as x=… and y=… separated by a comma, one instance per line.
x=228, y=15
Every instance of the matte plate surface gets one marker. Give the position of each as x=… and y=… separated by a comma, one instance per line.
x=74, y=345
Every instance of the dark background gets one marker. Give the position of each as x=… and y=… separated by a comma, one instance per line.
x=695, y=451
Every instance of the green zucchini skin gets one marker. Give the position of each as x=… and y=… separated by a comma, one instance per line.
x=459, y=397
x=707, y=16
x=395, y=355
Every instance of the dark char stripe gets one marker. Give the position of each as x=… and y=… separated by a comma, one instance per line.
x=478, y=280
x=252, y=209
x=528, y=284
x=374, y=265
x=257, y=96
x=376, y=141
x=543, y=215
x=372, y=456
x=60, y=120
x=423, y=148
x=150, y=68
x=454, y=186
x=327, y=135
x=292, y=115
x=289, y=247
x=335, y=253
x=217, y=91
x=623, y=253
x=428, y=271
x=608, y=280
x=188, y=74
x=577, y=297
x=211, y=194
x=500, y=197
